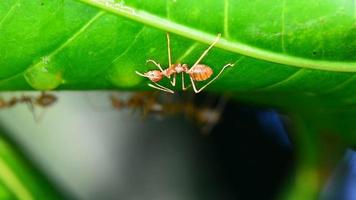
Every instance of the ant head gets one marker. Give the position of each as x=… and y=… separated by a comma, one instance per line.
x=154, y=75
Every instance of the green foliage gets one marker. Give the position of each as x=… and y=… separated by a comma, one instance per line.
x=19, y=179
x=297, y=55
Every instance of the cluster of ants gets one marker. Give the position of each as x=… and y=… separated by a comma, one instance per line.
x=149, y=102
x=43, y=100
x=162, y=105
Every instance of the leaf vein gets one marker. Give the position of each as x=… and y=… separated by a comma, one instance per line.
x=167, y=10
x=61, y=47
x=354, y=1
x=75, y=35
x=12, y=8
x=188, y=51
x=239, y=60
x=130, y=46
x=236, y=47
x=105, y=68
x=226, y=18
x=340, y=85
x=284, y=81
x=283, y=31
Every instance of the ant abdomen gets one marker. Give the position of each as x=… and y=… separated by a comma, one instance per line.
x=200, y=72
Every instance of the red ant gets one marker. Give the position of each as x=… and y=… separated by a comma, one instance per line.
x=198, y=72
x=44, y=100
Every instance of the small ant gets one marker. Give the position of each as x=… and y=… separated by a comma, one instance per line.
x=198, y=72
x=143, y=100
x=44, y=100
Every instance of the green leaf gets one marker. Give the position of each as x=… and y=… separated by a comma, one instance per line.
x=299, y=55
x=19, y=179
x=292, y=54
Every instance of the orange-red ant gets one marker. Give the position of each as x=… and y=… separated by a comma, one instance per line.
x=198, y=72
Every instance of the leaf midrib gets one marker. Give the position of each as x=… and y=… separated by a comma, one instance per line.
x=233, y=46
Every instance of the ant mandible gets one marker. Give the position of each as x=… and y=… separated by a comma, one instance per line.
x=198, y=72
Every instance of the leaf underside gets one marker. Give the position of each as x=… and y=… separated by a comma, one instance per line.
x=292, y=54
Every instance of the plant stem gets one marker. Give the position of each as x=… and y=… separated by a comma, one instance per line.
x=316, y=157
x=19, y=179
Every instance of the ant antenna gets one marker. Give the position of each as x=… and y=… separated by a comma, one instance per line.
x=207, y=50
x=138, y=73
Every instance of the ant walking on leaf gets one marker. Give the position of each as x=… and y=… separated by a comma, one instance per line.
x=198, y=72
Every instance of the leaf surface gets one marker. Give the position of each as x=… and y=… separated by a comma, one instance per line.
x=292, y=54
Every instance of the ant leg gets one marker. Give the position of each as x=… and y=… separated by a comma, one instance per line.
x=39, y=116
x=30, y=105
x=155, y=63
x=169, y=90
x=173, y=83
x=206, y=51
x=160, y=87
x=169, y=50
x=170, y=59
x=197, y=91
x=183, y=82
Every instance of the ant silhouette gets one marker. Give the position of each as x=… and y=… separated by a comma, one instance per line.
x=152, y=104
x=198, y=72
x=43, y=100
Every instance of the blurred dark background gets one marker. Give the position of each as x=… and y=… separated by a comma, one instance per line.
x=94, y=151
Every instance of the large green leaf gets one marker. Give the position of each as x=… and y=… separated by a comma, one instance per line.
x=294, y=54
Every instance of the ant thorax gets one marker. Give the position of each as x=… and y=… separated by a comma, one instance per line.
x=175, y=69
x=169, y=71
x=179, y=68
